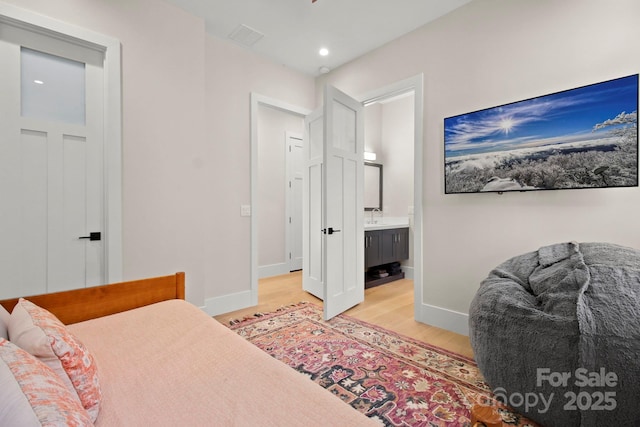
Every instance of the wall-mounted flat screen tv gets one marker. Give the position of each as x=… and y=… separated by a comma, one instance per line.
x=585, y=137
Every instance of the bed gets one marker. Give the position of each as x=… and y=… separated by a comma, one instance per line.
x=162, y=361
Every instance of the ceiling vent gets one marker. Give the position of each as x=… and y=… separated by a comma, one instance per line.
x=245, y=35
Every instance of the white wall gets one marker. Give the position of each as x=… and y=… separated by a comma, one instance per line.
x=186, y=163
x=397, y=152
x=488, y=53
x=163, y=130
x=389, y=133
x=233, y=72
x=373, y=129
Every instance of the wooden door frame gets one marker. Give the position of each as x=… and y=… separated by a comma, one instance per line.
x=112, y=156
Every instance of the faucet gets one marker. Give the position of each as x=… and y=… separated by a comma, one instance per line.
x=372, y=212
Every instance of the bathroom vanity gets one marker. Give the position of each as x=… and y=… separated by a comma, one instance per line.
x=386, y=244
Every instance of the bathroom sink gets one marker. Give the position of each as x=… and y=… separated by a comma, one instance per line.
x=385, y=223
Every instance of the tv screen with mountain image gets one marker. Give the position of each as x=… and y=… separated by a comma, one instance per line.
x=585, y=137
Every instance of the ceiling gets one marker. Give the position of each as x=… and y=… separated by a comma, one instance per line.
x=293, y=31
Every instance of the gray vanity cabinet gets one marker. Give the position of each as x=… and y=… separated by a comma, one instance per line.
x=395, y=245
x=372, y=248
x=386, y=246
x=383, y=249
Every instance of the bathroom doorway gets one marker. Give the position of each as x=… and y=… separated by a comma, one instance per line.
x=394, y=132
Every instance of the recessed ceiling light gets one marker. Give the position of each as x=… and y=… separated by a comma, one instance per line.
x=323, y=51
x=38, y=82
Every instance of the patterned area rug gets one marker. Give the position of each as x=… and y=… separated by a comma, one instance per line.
x=392, y=378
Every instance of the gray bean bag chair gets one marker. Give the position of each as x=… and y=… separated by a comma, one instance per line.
x=556, y=334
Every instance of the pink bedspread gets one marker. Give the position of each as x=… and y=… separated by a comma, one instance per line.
x=169, y=364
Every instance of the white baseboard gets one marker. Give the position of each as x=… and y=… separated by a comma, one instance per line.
x=408, y=272
x=431, y=315
x=227, y=303
x=445, y=319
x=272, y=270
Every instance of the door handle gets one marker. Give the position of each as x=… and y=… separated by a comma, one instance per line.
x=94, y=235
x=329, y=230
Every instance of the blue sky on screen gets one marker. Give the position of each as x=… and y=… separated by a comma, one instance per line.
x=557, y=118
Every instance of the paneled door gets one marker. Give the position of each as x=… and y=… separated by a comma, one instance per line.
x=334, y=203
x=51, y=163
x=295, y=174
x=312, y=218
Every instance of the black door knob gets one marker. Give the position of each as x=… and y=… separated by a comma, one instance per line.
x=94, y=235
x=329, y=230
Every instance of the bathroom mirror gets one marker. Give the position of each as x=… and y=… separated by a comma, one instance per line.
x=372, y=186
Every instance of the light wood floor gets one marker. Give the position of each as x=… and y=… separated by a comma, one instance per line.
x=389, y=306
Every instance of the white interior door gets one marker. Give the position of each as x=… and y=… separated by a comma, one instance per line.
x=343, y=208
x=312, y=223
x=51, y=163
x=295, y=174
x=333, y=203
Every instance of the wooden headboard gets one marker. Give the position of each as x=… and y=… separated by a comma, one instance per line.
x=88, y=303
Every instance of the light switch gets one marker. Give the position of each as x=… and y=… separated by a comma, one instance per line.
x=245, y=210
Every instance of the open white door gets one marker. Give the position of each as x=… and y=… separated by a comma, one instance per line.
x=333, y=203
x=312, y=239
x=343, y=208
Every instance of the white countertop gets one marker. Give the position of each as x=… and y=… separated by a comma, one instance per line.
x=384, y=223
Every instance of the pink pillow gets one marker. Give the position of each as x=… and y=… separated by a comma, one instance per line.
x=41, y=333
x=4, y=323
x=33, y=395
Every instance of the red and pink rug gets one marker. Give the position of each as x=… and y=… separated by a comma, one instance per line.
x=392, y=378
